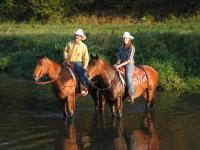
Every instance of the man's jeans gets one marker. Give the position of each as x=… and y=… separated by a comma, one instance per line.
x=129, y=79
x=78, y=68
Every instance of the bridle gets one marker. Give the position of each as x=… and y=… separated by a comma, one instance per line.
x=47, y=82
x=93, y=83
x=44, y=82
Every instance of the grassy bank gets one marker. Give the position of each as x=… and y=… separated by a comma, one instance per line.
x=172, y=47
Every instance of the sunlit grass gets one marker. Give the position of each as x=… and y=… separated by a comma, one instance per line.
x=172, y=47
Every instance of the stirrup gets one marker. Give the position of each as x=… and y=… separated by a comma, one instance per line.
x=131, y=100
x=84, y=92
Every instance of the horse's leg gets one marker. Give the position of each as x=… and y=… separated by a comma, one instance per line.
x=146, y=97
x=150, y=98
x=113, y=110
x=119, y=107
x=71, y=104
x=94, y=95
x=102, y=102
x=64, y=108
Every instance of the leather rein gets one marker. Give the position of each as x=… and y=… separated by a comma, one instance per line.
x=44, y=82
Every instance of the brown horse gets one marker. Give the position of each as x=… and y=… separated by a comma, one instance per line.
x=106, y=79
x=64, y=84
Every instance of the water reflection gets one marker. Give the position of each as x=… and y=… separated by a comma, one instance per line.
x=119, y=141
x=112, y=134
x=70, y=141
x=145, y=138
x=31, y=120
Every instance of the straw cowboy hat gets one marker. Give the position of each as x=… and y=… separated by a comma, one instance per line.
x=127, y=35
x=80, y=32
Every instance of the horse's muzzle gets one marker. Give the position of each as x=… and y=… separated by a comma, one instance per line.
x=35, y=78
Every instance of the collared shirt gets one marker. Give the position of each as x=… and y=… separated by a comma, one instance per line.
x=76, y=52
x=126, y=53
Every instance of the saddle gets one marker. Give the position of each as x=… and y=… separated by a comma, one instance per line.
x=139, y=76
x=79, y=86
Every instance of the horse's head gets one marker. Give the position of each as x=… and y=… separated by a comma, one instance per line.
x=40, y=68
x=95, y=66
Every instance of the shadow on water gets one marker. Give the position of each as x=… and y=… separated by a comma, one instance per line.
x=31, y=119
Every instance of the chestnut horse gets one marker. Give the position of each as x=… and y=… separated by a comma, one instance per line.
x=104, y=77
x=63, y=83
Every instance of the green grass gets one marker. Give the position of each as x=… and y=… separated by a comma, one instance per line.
x=171, y=47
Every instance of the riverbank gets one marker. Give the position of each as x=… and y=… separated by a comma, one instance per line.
x=171, y=47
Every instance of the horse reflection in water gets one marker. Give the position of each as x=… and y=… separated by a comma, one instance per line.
x=70, y=141
x=119, y=141
x=145, y=138
x=105, y=134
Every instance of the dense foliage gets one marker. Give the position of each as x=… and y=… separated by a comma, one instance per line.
x=65, y=10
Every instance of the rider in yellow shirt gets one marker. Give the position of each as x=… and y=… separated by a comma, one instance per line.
x=76, y=53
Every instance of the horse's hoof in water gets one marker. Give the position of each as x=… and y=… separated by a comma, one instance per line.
x=114, y=115
x=131, y=101
x=72, y=115
x=65, y=114
x=120, y=115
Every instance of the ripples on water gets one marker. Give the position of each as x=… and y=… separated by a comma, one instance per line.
x=31, y=119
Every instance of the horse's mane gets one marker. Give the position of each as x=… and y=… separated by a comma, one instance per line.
x=107, y=65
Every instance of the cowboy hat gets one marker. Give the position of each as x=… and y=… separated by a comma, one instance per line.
x=127, y=35
x=80, y=32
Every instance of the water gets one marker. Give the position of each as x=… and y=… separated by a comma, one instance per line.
x=31, y=119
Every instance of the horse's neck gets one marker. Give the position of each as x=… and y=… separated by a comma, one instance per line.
x=54, y=69
x=108, y=74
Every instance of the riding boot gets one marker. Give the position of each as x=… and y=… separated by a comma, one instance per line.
x=84, y=91
x=131, y=98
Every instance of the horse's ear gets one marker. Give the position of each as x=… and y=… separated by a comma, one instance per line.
x=37, y=56
x=94, y=56
x=91, y=55
x=43, y=55
x=97, y=56
x=40, y=56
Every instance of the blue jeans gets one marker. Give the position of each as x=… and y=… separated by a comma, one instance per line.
x=78, y=68
x=129, y=79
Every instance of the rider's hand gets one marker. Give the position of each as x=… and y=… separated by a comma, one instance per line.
x=85, y=68
x=116, y=66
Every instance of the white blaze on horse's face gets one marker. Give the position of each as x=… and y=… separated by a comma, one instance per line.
x=126, y=40
x=40, y=69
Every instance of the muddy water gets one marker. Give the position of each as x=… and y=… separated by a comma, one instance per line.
x=31, y=119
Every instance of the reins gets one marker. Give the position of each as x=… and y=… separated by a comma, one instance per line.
x=44, y=82
x=47, y=82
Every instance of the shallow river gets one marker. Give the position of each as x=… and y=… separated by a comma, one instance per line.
x=31, y=119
